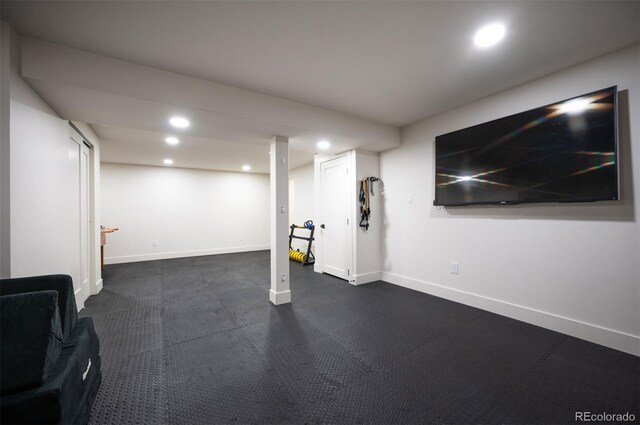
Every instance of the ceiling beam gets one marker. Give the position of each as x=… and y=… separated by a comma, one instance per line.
x=53, y=68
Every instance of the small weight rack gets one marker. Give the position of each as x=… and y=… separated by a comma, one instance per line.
x=295, y=254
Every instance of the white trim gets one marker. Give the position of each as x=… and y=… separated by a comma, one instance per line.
x=98, y=287
x=79, y=300
x=318, y=160
x=181, y=254
x=361, y=279
x=279, y=298
x=608, y=337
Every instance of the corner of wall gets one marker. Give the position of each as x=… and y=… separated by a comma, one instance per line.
x=367, y=243
x=5, y=122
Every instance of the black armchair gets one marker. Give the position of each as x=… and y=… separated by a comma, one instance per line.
x=50, y=362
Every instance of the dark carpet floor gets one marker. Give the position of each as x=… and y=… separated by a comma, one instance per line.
x=196, y=341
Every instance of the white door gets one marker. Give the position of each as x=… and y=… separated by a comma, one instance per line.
x=336, y=208
x=85, y=220
x=79, y=212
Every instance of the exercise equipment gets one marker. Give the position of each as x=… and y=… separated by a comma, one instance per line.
x=296, y=254
x=366, y=186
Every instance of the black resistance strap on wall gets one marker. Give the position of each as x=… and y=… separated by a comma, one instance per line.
x=366, y=186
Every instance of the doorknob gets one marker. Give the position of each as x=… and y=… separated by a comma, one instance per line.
x=322, y=226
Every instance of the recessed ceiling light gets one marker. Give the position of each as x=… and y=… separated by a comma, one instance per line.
x=172, y=140
x=246, y=168
x=168, y=161
x=179, y=122
x=489, y=35
x=323, y=144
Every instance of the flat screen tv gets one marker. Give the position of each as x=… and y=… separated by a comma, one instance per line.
x=562, y=152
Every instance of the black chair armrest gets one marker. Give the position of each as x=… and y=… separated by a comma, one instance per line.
x=63, y=284
x=31, y=339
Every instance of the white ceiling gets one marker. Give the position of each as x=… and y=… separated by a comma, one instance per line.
x=130, y=146
x=367, y=63
x=126, y=101
x=393, y=62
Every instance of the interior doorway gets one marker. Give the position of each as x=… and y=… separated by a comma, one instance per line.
x=80, y=158
x=335, y=227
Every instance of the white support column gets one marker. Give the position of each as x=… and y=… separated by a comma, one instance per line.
x=280, y=293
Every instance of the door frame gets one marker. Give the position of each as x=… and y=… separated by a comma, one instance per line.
x=93, y=236
x=318, y=160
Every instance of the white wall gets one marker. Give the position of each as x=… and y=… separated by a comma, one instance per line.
x=5, y=99
x=43, y=235
x=367, y=248
x=42, y=230
x=574, y=268
x=301, y=201
x=184, y=212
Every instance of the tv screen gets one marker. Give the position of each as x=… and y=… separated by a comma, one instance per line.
x=562, y=152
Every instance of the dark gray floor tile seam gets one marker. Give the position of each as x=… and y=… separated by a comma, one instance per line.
x=278, y=373
x=357, y=355
x=385, y=366
x=134, y=303
x=514, y=384
x=167, y=345
x=338, y=386
x=302, y=408
x=350, y=350
x=226, y=311
x=279, y=382
x=164, y=366
x=599, y=389
x=119, y=330
x=391, y=314
x=531, y=370
x=435, y=337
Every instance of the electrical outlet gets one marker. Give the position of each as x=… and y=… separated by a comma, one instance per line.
x=410, y=199
x=154, y=243
x=455, y=268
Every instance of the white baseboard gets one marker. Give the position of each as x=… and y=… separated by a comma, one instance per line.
x=608, y=337
x=80, y=298
x=182, y=254
x=361, y=279
x=279, y=298
x=97, y=287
